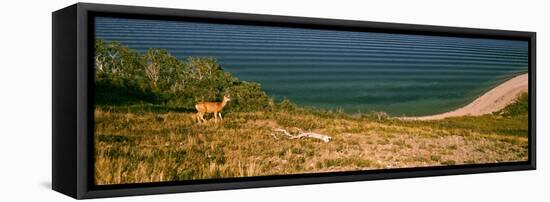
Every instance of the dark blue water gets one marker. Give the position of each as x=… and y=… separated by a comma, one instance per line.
x=354, y=71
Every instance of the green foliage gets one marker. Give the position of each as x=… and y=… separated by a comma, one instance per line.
x=519, y=108
x=248, y=96
x=287, y=105
x=108, y=92
x=124, y=77
x=119, y=76
x=162, y=70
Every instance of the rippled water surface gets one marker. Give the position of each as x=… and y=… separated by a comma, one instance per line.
x=355, y=71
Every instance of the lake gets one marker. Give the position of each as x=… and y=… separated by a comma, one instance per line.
x=352, y=71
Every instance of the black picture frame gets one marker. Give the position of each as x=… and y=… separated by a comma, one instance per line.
x=72, y=98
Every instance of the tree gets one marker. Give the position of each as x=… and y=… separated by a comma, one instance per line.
x=119, y=76
x=126, y=77
x=163, y=70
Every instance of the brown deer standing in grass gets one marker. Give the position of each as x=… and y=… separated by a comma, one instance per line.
x=211, y=107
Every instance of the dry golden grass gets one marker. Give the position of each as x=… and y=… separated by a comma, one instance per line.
x=135, y=147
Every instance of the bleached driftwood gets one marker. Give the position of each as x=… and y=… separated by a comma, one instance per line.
x=322, y=137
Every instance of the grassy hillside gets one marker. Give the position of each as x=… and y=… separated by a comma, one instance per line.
x=150, y=144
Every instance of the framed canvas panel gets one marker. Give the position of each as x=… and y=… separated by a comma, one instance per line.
x=156, y=100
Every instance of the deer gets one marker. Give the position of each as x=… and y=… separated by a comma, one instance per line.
x=211, y=107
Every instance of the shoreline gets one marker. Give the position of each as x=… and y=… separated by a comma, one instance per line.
x=492, y=101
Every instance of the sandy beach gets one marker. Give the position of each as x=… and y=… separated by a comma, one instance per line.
x=492, y=101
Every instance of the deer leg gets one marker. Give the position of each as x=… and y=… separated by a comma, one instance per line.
x=202, y=117
x=215, y=117
x=199, y=117
x=220, y=113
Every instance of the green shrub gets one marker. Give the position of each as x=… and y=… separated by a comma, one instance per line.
x=124, y=77
x=519, y=108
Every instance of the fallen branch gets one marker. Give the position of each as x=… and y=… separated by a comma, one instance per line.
x=322, y=137
x=274, y=136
